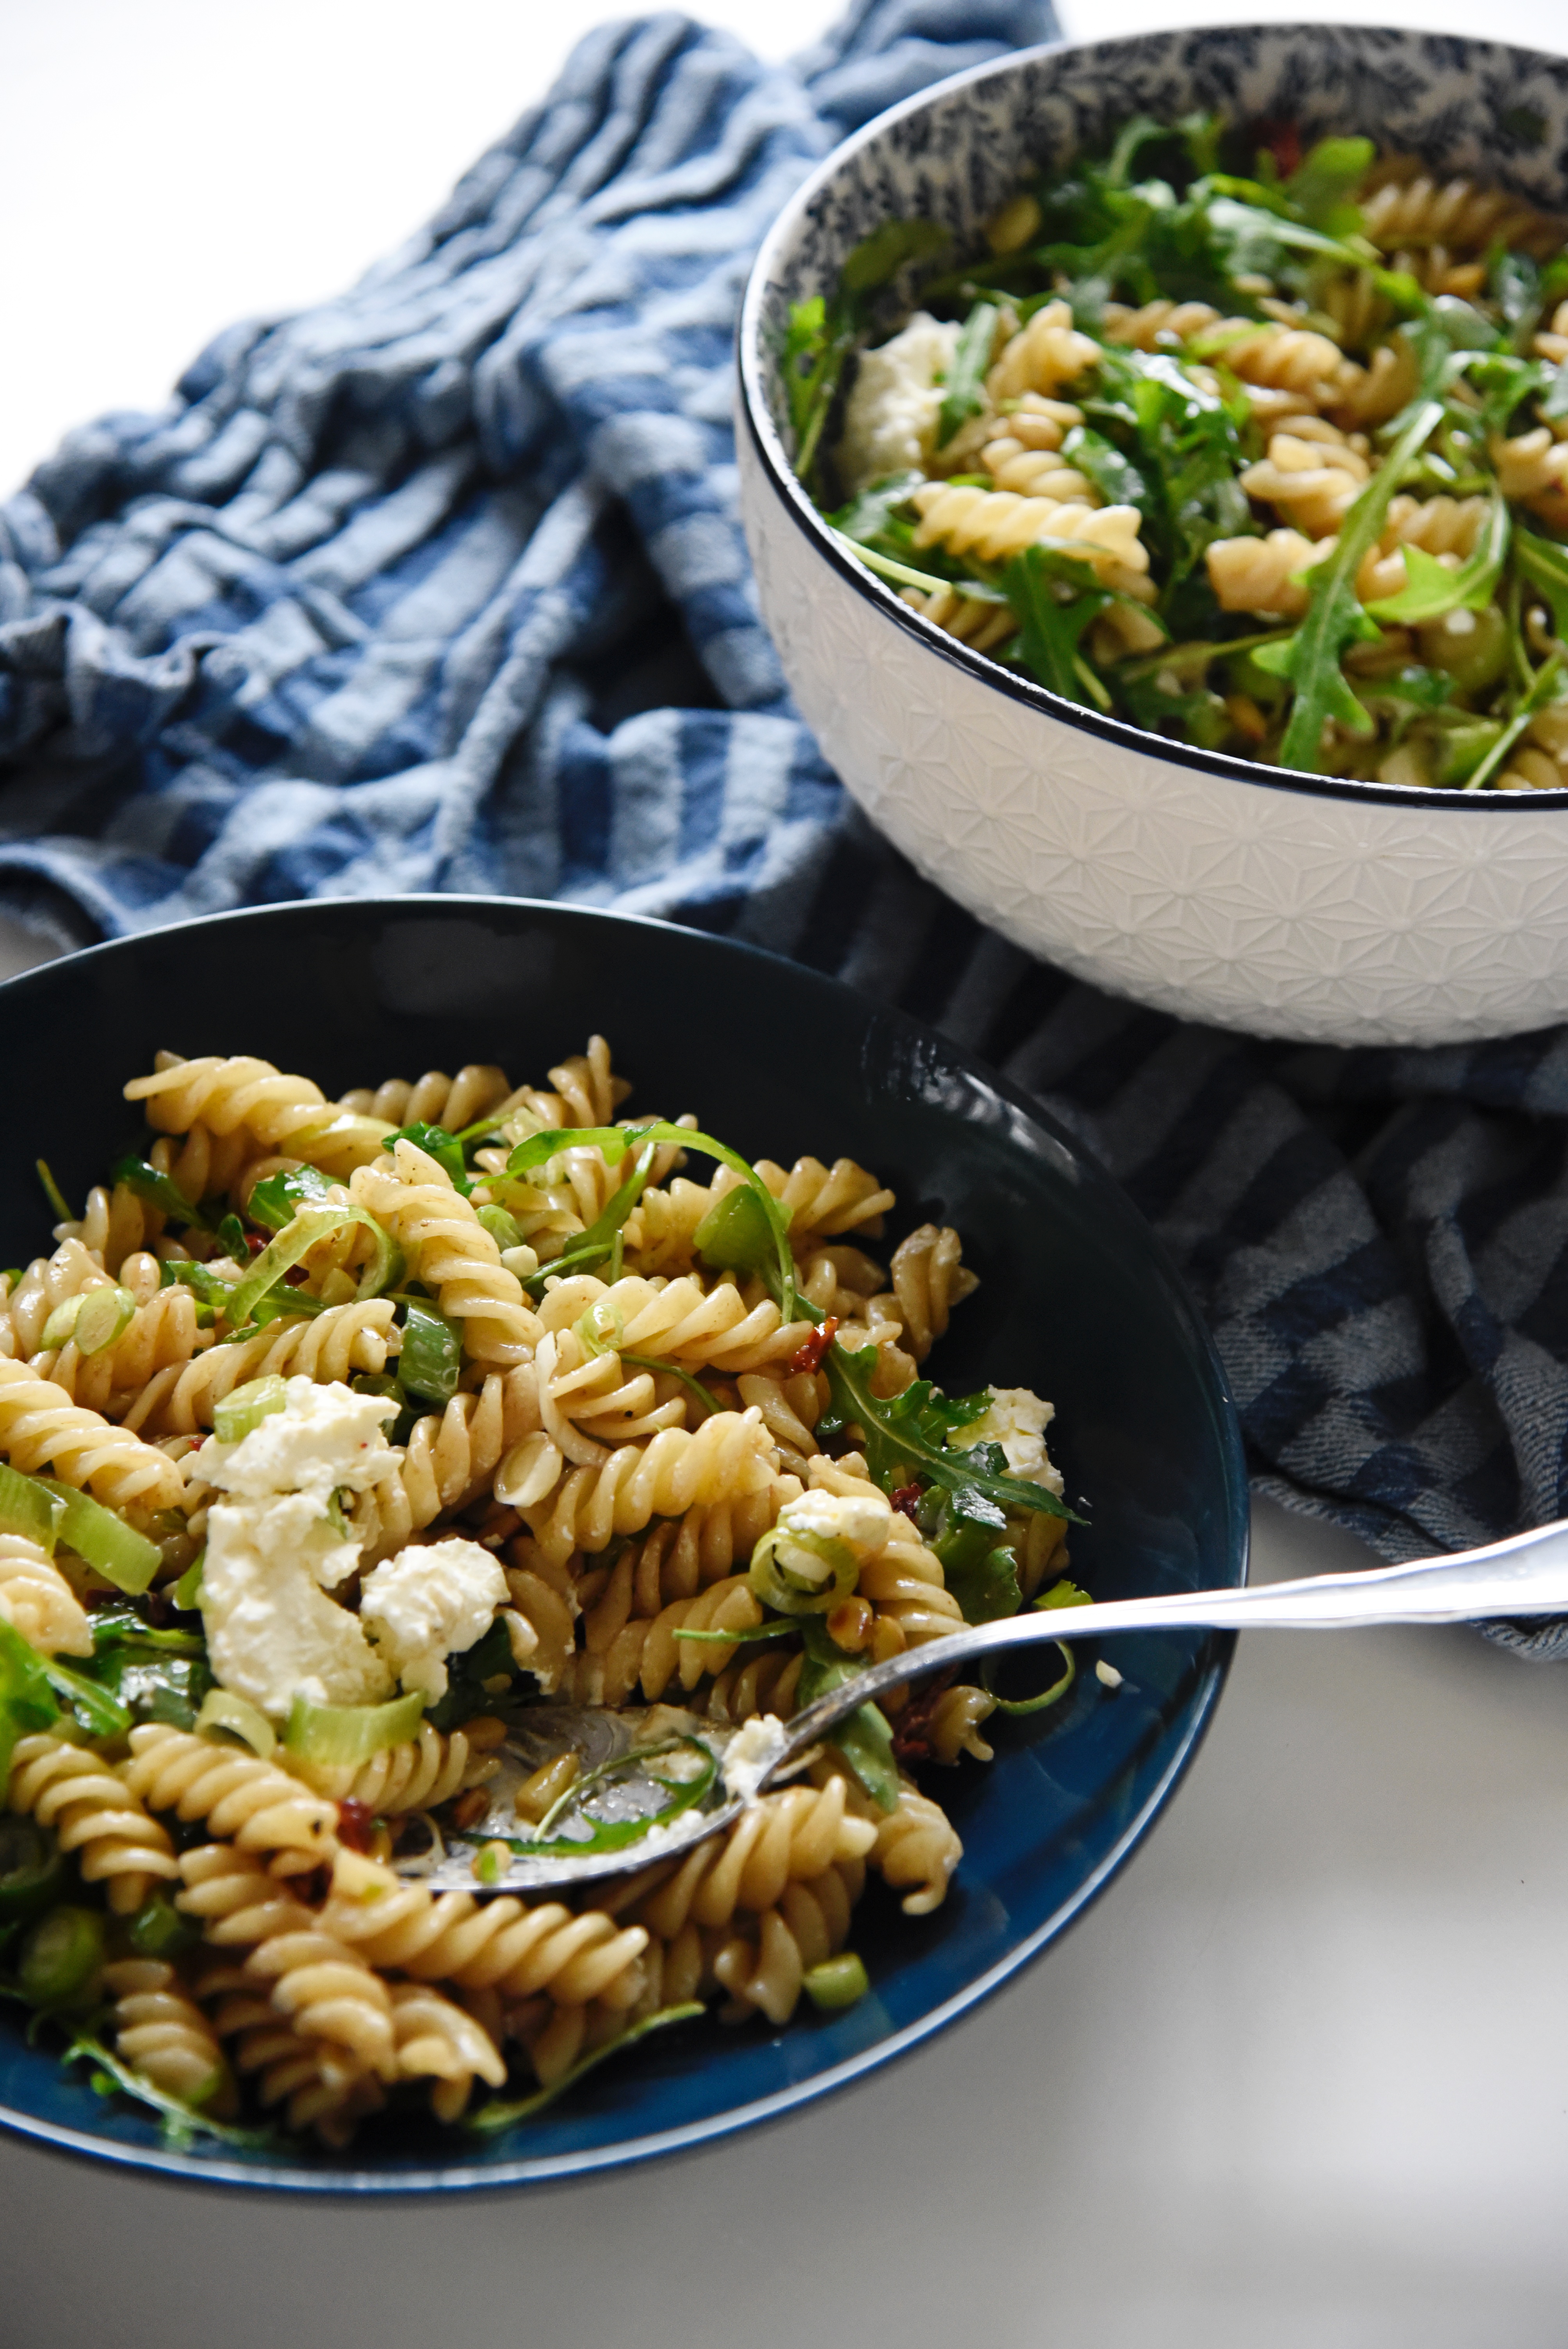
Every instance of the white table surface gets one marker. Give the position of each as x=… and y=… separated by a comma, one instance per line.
x=1299, y=2080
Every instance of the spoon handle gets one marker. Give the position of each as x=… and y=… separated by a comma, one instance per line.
x=1526, y=1575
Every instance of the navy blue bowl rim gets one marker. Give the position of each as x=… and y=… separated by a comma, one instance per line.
x=792, y=495
x=457, y=2176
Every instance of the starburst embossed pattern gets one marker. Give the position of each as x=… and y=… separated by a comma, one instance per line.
x=1327, y=910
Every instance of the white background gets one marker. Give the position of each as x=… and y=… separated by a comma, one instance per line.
x=1300, y=2080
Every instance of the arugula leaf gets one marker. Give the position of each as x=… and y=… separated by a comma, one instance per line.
x=279, y=1198
x=1051, y=625
x=1430, y=590
x=978, y=1568
x=1545, y=564
x=895, y=1444
x=496, y=2116
x=965, y=393
x=437, y=1143
x=467, y=1678
x=160, y=1190
x=821, y=335
x=865, y=1738
x=1542, y=690
x=1320, y=189
x=1116, y=478
x=1336, y=619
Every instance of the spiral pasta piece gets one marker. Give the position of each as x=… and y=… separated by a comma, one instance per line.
x=1041, y=357
x=784, y=1838
x=277, y=1112
x=94, y=1814
x=235, y=1793
x=320, y=2086
x=441, y=2043
x=41, y=1427
x=929, y=1278
x=450, y=1456
x=116, y=1223
x=1293, y=358
x=47, y=1282
x=1404, y=205
x=917, y=1846
x=1013, y=464
x=1157, y=325
x=497, y=1944
x=811, y=1922
x=37, y=1602
x=996, y=523
x=981, y=624
x=678, y=1321
x=328, y=1348
x=623, y=1652
x=1312, y=483
x=163, y=1334
x=441, y=1231
x=421, y=1772
x=729, y=1455
x=434, y=1099
x=160, y=2031
x=956, y=1722
x=1261, y=574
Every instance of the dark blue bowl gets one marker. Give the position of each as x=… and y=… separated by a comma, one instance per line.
x=1077, y=1301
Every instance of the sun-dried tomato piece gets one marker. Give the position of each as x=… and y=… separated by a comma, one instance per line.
x=907, y=1498
x=354, y=1821
x=808, y=1357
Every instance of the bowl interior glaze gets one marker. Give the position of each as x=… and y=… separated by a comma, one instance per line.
x=1077, y=1301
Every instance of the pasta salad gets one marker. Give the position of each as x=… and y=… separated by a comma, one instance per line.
x=392, y=1485
x=1264, y=449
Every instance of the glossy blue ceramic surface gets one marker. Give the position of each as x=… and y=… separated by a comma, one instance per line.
x=1077, y=1301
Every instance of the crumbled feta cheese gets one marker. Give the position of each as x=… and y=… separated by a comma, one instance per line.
x=752, y=1754
x=859, y=1522
x=429, y=1602
x=272, y=1552
x=324, y=1437
x=1017, y=1421
x=1107, y=1674
x=890, y=414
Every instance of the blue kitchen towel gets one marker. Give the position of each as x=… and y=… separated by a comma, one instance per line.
x=441, y=585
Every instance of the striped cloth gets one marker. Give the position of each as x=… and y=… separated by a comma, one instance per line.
x=441, y=585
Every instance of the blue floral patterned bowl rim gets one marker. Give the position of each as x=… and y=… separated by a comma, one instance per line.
x=1183, y=1734
x=753, y=367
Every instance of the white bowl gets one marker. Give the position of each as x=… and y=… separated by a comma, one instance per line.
x=1247, y=895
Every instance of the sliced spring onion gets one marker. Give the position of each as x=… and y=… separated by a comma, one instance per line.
x=836, y=1983
x=297, y=1238
x=222, y=1709
x=601, y=1329
x=61, y=1957
x=431, y=1359
x=347, y=1734
x=159, y=1930
x=245, y=1407
x=26, y=1507
x=745, y=1639
x=92, y=1320
x=104, y=1541
x=1053, y=1695
x=501, y=1227
x=187, y=1592
x=813, y=1572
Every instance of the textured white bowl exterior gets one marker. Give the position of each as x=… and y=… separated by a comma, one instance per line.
x=1329, y=913
x=1340, y=920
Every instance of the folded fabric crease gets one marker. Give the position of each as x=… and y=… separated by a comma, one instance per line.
x=441, y=585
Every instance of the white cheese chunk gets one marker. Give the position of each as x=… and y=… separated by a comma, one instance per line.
x=752, y=1754
x=892, y=412
x=324, y=1437
x=273, y=1552
x=1017, y=1421
x=859, y=1520
x=429, y=1602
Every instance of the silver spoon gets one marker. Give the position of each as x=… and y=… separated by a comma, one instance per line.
x=1527, y=1575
